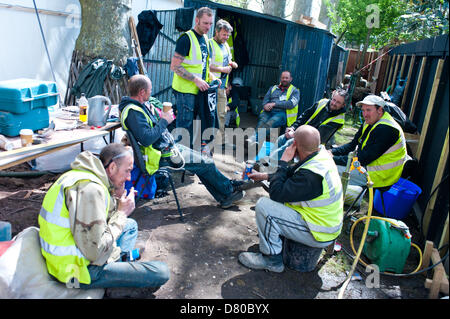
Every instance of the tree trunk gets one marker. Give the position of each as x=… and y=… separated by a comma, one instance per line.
x=104, y=30
x=275, y=7
x=104, y=34
x=301, y=7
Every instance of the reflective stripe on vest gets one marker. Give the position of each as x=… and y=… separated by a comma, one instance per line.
x=339, y=119
x=193, y=64
x=230, y=44
x=324, y=214
x=63, y=258
x=387, y=169
x=238, y=117
x=291, y=114
x=217, y=57
x=151, y=156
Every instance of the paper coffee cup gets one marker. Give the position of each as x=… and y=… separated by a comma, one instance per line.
x=167, y=106
x=26, y=137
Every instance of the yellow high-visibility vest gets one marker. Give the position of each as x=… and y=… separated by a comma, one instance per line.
x=387, y=169
x=339, y=119
x=238, y=117
x=64, y=260
x=150, y=154
x=324, y=214
x=217, y=57
x=193, y=64
x=291, y=114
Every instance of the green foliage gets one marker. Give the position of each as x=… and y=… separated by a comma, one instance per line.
x=399, y=20
x=353, y=18
x=422, y=19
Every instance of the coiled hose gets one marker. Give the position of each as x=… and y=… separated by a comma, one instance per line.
x=392, y=223
x=363, y=240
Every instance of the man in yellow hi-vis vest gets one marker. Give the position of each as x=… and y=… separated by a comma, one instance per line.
x=190, y=64
x=327, y=115
x=280, y=107
x=381, y=146
x=86, y=237
x=305, y=205
x=221, y=66
x=136, y=116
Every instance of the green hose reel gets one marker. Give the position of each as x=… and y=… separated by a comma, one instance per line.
x=387, y=245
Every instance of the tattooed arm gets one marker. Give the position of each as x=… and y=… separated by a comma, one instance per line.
x=176, y=67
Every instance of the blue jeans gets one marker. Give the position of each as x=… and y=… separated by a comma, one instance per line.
x=128, y=274
x=272, y=119
x=185, y=103
x=218, y=185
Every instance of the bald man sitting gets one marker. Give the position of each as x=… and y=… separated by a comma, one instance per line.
x=305, y=204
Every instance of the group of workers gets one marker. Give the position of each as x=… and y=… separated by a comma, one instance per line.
x=86, y=234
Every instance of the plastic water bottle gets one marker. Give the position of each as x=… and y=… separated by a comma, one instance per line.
x=5, y=231
x=83, y=105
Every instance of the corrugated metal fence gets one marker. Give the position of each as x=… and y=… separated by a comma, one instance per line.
x=157, y=60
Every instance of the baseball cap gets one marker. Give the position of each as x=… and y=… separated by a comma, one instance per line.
x=372, y=100
x=238, y=81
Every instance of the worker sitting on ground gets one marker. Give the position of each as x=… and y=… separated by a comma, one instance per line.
x=327, y=115
x=141, y=120
x=85, y=234
x=381, y=146
x=305, y=202
x=280, y=107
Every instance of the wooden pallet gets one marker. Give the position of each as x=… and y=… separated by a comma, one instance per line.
x=439, y=282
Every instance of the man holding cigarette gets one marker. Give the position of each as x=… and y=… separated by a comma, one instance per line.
x=86, y=236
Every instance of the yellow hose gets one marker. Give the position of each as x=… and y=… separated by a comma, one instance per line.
x=363, y=239
x=392, y=223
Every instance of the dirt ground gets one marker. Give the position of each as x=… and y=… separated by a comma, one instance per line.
x=202, y=251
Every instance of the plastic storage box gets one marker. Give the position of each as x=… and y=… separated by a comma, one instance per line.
x=398, y=200
x=22, y=95
x=11, y=123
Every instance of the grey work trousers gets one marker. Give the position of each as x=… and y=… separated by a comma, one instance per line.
x=274, y=220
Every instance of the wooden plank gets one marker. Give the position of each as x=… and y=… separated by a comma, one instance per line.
x=443, y=286
x=438, y=275
x=394, y=75
x=405, y=93
x=437, y=179
x=390, y=71
x=51, y=145
x=427, y=255
x=434, y=89
x=403, y=66
x=135, y=37
x=444, y=237
x=41, y=11
x=385, y=78
x=417, y=90
x=34, y=156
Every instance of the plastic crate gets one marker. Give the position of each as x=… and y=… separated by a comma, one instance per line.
x=22, y=95
x=11, y=123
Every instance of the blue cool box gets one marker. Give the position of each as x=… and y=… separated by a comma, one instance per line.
x=22, y=95
x=11, y=123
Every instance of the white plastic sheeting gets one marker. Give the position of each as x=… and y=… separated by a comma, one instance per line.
x=23, y=52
